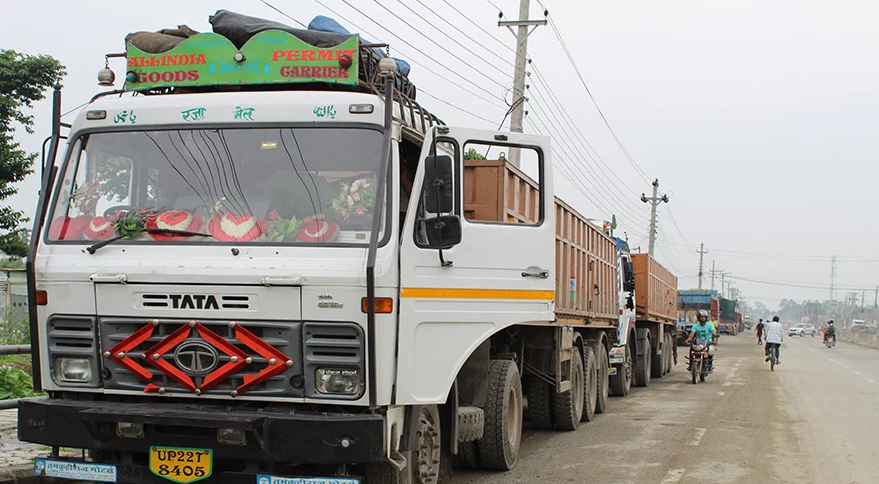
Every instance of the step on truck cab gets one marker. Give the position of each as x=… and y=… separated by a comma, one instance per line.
x=262, y=261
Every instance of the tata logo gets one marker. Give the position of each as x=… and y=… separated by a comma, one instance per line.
x=193, y=301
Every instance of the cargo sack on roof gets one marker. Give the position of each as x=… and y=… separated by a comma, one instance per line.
x=327, y=24
x=161, y=41
x=240, y=28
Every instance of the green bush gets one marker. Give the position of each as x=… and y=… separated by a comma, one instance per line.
x=15, y=332
x=15, y=383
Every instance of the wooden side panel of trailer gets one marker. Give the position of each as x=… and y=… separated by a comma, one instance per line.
x=585, y=271
x=656, y=290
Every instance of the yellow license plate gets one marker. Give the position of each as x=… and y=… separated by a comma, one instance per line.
x=180, y=464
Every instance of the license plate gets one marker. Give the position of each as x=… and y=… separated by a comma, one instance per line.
x=181, y=464
x=77, y=471
x=264, y=479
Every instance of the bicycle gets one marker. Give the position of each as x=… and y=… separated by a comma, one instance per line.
x=773, y=357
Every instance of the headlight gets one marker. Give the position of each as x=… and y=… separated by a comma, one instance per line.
x=698, y=347
x=337, y=381
x=73, y=370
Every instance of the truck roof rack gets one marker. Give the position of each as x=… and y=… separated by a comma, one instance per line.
x=271, y=60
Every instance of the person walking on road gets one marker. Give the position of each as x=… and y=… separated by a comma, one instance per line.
x=760, y=332
x=774, y=338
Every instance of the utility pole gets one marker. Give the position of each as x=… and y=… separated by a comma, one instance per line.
x=713, y=273
x=517, y=108
x=876, y=298
x=653, y=201
x=723, y=275
x=702, y=253
x=832, y=277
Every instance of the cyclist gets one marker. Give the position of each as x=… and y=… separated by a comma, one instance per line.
x=760, y=332
x=774, y=338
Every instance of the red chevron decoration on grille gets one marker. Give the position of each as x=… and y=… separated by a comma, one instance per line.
x=276, y=360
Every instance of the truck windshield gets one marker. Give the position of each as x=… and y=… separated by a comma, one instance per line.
x=272, y=185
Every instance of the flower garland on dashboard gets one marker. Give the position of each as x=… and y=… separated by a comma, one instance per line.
x=355, y=200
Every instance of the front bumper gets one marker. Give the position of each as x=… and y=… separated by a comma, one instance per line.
x=273, y=436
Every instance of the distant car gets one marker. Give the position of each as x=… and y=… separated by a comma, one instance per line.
x=801, y=329
x=858, y=326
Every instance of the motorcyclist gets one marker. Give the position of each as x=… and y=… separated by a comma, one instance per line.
x=703, y=333
x=829, y=331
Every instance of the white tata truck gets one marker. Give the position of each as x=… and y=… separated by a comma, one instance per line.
x=264, y=262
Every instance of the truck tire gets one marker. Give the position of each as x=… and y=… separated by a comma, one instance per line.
x=621, y=383
x=539, y=394
x=499, y=446
x=657, y=363
x=467, y=456
x=424, y=461
x=602, y=365
x=590, y=387
x=643, y=364
x=567, y=406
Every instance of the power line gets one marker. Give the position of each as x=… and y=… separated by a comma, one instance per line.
x=477, y=26
x=422, y=91
x=443, y=48
x=608, y=189
x=595, y=103
x=284, y=14
x=465, y=34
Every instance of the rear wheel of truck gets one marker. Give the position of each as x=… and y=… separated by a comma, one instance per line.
x=657, y=362
x=590, y=377
x=499, y=446
x=467, y=456
x=602, y=382
x=424, y=462
x=567, y=406
x=539, y=393
x=643, y=364
x=621, y=383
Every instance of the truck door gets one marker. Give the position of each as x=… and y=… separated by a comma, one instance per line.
x=477, y=252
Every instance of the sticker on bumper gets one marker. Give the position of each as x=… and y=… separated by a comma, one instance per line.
x=264, y=479
x=78, y=471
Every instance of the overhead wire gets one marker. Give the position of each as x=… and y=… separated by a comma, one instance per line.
x=613, y=133
x=276, y=9
x=478, y=26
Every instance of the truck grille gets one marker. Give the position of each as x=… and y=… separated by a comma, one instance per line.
x=196, y=358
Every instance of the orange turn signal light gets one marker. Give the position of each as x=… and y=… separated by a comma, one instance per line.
x=383, y=305
x=42, y=298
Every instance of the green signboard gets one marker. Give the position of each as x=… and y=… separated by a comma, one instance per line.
x=268, y=57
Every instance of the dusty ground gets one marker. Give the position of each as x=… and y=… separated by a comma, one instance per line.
x=745, y=424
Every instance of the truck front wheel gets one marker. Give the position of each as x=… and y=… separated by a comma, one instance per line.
x=621, y=382
x=499, y=446
x=425, y=460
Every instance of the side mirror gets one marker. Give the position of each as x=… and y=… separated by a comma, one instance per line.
x=442, y=232
x=438, y=187
x=629, y=282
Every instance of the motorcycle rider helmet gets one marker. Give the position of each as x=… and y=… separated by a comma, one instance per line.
x=702, y=313
x=830, y=322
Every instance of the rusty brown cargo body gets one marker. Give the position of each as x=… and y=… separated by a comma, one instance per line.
x=656, y=291
x=585, y=271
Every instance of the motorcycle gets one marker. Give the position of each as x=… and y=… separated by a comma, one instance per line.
x=699, y=362
x=830, y=341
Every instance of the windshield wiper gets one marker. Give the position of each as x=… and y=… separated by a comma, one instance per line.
x=128, y=234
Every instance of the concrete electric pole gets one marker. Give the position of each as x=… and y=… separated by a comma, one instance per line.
x=524, y=29
x=832, y=277
x=653, y=201
x=713, y=273
x=702, y=253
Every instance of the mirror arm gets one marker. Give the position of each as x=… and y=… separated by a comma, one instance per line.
x=438, y=183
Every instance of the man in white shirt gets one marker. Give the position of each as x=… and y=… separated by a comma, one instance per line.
x=774, y=338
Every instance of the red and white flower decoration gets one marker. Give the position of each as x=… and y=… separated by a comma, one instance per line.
x=237, y=227
x=316, y=229
x=99, y=228
x=68, y=228
x=175, y=220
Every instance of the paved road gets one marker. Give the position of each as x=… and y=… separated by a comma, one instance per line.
x=744, y=425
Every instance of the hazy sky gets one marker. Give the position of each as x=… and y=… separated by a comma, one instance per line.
x=759, y=118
